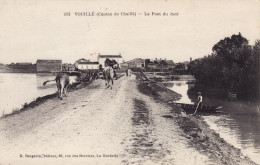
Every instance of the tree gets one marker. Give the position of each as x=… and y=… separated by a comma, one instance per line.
x=163, y=62
x=233, y=64
x=180, y=66
x=227, y=49
x=233, y=52
x=253, y=71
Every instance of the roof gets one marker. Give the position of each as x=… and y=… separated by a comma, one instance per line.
x=186, y=62
x=169, y=62
x=82, y=60
x=88, y=62
x=151, y=64
x=24, y=63
x=110, y=56
x=136, y=60
x=48, y=60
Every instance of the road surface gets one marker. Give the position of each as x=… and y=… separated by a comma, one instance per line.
x=97, y=125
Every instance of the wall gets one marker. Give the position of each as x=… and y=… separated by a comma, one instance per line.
x=88, y=66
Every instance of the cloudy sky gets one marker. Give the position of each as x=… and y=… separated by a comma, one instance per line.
x=38, y=29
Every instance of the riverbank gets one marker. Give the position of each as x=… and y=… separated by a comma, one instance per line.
x=40, y=100
x=137, y=123
x=196, y=130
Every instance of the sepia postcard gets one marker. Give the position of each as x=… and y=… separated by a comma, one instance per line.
x=138, y=82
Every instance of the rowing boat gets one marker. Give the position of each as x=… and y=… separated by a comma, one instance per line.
x=190, y=108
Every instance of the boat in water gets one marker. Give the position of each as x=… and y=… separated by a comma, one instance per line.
x=190, y=108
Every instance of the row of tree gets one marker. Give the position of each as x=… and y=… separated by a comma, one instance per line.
x=233, y=64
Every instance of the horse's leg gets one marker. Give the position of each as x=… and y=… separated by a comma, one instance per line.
x=108, y=81
x=105, y=81
x=105, y=78
x=112, y=75
x=58, y=86
x=65, y=91
x=61, y=91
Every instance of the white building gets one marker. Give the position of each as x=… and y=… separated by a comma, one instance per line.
x=83, y=64
x=102, y=58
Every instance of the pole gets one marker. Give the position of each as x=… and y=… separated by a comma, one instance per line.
x=196, y=108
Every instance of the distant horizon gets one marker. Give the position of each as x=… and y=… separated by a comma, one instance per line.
x=90, y=60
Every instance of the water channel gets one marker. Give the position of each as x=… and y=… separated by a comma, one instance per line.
x=238, y=123
x=20, y=88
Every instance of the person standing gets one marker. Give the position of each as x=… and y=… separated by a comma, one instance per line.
x=199, y=101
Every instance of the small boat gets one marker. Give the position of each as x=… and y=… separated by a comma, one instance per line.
x=190, y=108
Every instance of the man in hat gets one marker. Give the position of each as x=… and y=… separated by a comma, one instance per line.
x=198, y=102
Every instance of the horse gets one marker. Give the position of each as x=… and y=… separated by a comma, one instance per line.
x=62, y=82
x=109, y=71
x=71, y=79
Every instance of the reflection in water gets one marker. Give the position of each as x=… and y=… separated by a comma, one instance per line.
x=242, y=131
x=19, y=88
x=238, y=124
x=181, y=87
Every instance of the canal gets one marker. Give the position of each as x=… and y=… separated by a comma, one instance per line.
x=20, y=88
x=238, y=123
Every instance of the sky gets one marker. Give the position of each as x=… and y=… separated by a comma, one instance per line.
x=38, y=29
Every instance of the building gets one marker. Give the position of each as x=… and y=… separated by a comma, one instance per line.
x=133, y=64
x=170, y=63
x=68, y=67
x=48, y=65
x=102, y=58
x=152, y=66
x=160, y=65
x=83, y=64
x=23, y=67
x=80, y=61
x=88, y=66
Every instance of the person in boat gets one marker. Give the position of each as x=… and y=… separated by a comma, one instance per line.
x=199, y=102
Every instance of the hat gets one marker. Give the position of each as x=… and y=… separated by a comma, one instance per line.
x=199, y=93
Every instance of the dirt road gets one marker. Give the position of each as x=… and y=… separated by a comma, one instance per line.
x=95, y=125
